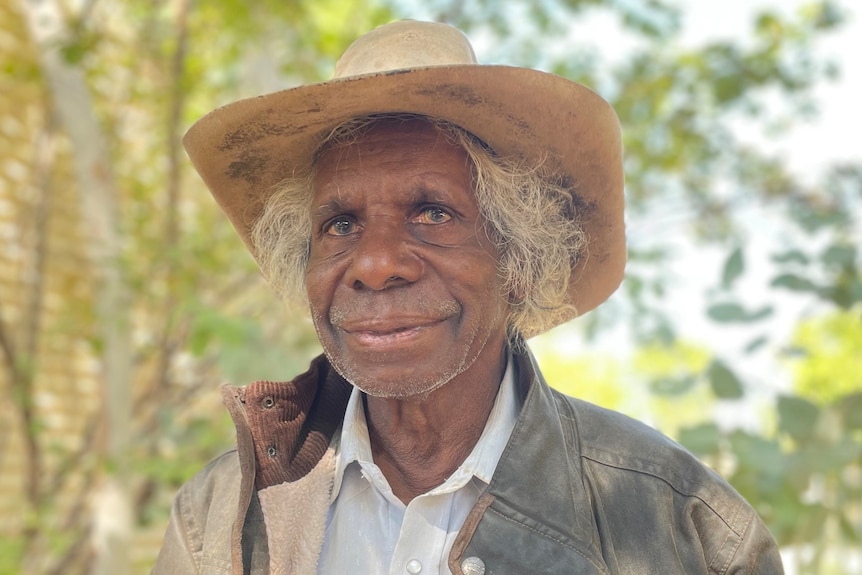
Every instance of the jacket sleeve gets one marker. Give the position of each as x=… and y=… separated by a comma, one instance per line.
x=177, y=555
x=757, y=553
x=198, y=537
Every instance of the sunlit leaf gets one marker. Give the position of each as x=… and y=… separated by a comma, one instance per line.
x=850, y=407
x=672, y=385
x=760, y=454
x=794, y=283
x=840, y=255
x=724, y=382
x=828, y=456
x=734, y=312
x=756, y=344
x=797, y=417
x=733, y=267
x=811, y=521
x=792, y=256
x=828, y=364
x=703, y=439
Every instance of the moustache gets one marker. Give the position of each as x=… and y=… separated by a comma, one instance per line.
x=390, y=305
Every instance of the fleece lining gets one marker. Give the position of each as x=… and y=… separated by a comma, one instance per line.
x=295, y=518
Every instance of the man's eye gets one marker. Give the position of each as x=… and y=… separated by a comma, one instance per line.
x=433, y=215
x=341, y=226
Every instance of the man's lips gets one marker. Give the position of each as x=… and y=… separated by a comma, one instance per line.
x=388, y=334
x=390, y=318
x=386, y=326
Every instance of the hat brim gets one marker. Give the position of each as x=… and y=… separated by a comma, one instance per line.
x=243, y=150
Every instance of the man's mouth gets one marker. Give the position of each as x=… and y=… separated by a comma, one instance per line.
x=379, y=326
x=386, y=338
x=384, y=324
x=379, y=332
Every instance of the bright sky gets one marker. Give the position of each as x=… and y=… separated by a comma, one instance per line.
x=834, y=134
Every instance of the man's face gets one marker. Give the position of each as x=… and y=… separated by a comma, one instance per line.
x=402, y=280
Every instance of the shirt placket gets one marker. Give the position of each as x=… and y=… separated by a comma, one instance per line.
x=422, y=540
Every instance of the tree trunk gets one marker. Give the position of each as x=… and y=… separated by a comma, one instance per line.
x=98, y=192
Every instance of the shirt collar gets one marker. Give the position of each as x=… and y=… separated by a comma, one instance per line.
x=353, y=443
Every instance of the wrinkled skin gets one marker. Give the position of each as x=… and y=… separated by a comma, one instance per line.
x=402, y=278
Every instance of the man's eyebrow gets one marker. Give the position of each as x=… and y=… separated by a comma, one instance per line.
x=421, y=195
x=333, y=206
x=427, y=194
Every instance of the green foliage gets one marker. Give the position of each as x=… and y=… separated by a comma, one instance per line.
x=804, y=476
x=724, y=383
x=680, y=359
x=734, y=312
x=850, y=411
x=703, y=439
x=798, y=476
x=797, y=417
x=11, y=554
x=244, y=351
x=831, y=362
x=676, y=382
x=733, y=268
x=595, y=378
x=190, y=443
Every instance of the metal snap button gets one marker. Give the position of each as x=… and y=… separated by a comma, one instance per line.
x=473, y=566
x=271, y=451
x=268, y=403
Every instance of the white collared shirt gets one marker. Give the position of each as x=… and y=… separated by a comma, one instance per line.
x=370, y=531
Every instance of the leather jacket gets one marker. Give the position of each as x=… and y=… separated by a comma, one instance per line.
x=578, y=490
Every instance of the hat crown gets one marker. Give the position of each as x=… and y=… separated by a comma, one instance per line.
x=405, y=44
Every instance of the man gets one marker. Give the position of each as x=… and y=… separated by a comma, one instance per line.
x=434, y=213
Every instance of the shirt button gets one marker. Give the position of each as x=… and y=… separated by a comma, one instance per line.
x=414, y=566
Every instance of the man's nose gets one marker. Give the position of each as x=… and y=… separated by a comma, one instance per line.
x=383, y=259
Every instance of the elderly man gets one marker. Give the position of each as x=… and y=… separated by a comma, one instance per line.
x=433, y=213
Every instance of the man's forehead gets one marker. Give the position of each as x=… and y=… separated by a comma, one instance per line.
x=416, y=158
x=414, y=148
x=380, y=130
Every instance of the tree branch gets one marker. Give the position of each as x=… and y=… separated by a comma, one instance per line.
x=7, y=346
x=172, y=226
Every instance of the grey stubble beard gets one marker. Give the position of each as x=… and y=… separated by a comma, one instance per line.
x=416, y=389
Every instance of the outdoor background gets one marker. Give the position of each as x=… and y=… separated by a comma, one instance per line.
x=126, y=299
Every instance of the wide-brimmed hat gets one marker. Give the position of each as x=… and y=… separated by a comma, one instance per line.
x=243, y=150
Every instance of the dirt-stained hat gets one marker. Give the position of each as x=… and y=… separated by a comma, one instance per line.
x=243, y=150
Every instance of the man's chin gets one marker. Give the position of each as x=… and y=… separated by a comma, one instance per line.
x=406, y=388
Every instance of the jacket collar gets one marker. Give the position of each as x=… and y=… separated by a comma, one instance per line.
x=539, y=478
x=540, y=473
